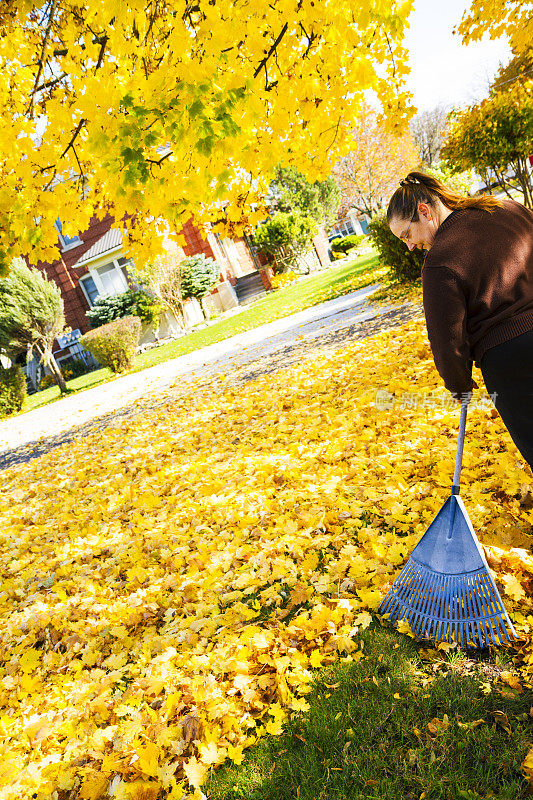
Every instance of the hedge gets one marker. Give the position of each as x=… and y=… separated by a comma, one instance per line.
x=114, y=345
x=405, y=265
x=12, y=390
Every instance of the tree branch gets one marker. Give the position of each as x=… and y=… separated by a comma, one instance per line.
x=41, y=57
x=101, y=53
x=50, y=83
x=80, y=125
x=158, y=162
x=264, y=61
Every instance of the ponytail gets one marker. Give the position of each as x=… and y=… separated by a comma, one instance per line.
x=418, y=187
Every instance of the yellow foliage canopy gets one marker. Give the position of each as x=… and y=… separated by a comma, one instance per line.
x=496, y=18
x=168, y=584
x=164, y=109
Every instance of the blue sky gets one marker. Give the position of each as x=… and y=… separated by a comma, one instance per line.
x=442, y=69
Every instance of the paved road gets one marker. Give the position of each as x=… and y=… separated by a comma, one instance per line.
x=30, y=434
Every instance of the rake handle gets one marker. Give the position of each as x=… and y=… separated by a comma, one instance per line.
x=460, y=446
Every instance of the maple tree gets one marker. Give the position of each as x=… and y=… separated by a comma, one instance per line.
x=207, y=554
x=496, y=18
x=495, y=137
x=377, y=160
x=161, y=109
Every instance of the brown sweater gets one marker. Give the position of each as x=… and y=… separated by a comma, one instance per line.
x=477, y=280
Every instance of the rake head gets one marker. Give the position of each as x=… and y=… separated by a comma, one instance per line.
x=445, y=590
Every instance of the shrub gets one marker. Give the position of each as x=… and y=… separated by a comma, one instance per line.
x=48, y=380
x=136, y=303
x=198, y=276
x=114, y=345
x=12, y=390
x=405, y=265
x=339, y=245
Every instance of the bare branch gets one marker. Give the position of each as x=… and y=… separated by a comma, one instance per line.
x=158, y=162
x=50, y=83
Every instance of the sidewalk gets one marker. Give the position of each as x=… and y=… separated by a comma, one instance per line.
x=237, y=350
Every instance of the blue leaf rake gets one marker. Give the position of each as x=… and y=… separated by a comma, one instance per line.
x=445, y=590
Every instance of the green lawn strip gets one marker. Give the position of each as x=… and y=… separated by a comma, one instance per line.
x=282, y=303
x=359, y=741
x=326, y=285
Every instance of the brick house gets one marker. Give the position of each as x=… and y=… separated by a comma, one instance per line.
x=94, y=263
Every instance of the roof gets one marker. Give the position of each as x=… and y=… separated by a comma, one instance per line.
x=109, y=241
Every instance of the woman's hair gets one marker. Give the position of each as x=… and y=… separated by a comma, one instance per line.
x=418, y=187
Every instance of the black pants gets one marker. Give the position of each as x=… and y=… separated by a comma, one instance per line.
x=508, y=371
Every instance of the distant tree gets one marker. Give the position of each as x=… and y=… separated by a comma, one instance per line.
x=198, y=276
x=31, y=316
x=162, y=278
x=292, y=192
x=428, y=129
x=495, y=137
x=370, y=172
x=519, y=68
x=286, y=237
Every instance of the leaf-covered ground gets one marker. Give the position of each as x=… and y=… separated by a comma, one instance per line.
x=169, y=584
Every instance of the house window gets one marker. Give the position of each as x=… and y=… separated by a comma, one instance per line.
x=112, y=279
x=67, y=242
x=89, y=289
x=104, y=281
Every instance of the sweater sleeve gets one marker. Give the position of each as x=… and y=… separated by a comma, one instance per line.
x=445, y=311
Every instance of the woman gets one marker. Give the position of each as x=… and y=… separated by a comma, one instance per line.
x=477, y=282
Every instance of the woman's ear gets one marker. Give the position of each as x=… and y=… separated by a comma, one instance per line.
x=425, y=210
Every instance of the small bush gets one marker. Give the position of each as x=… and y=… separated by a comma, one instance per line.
x=404, y=265
x=12, y=390
x=114, y=345
x=343, y=246
x=136, y=303
x=76, y=366
x=47, y=381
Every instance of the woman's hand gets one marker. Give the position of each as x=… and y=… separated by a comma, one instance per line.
x=459, y=400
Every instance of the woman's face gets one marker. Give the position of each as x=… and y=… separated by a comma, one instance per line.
x=417, y=234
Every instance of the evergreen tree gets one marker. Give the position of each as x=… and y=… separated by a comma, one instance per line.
x=31, y=316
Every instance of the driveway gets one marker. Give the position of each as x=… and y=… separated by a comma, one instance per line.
x=245, y=355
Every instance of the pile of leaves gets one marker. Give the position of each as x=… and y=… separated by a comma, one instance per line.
x=170, y=583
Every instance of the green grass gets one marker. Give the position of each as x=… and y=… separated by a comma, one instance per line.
x=360, y=741
x=326, y=285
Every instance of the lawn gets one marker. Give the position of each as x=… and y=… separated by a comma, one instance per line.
x=397, y=722
x=308, y=291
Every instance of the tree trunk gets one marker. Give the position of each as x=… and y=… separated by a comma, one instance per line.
x=205, y=312
x=49, y=361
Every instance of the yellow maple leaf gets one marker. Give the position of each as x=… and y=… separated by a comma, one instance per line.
x=236, y=753
x=93, y=786
x=195, y=772
x=316, y=658
x=148, y=758
x=513, y=587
